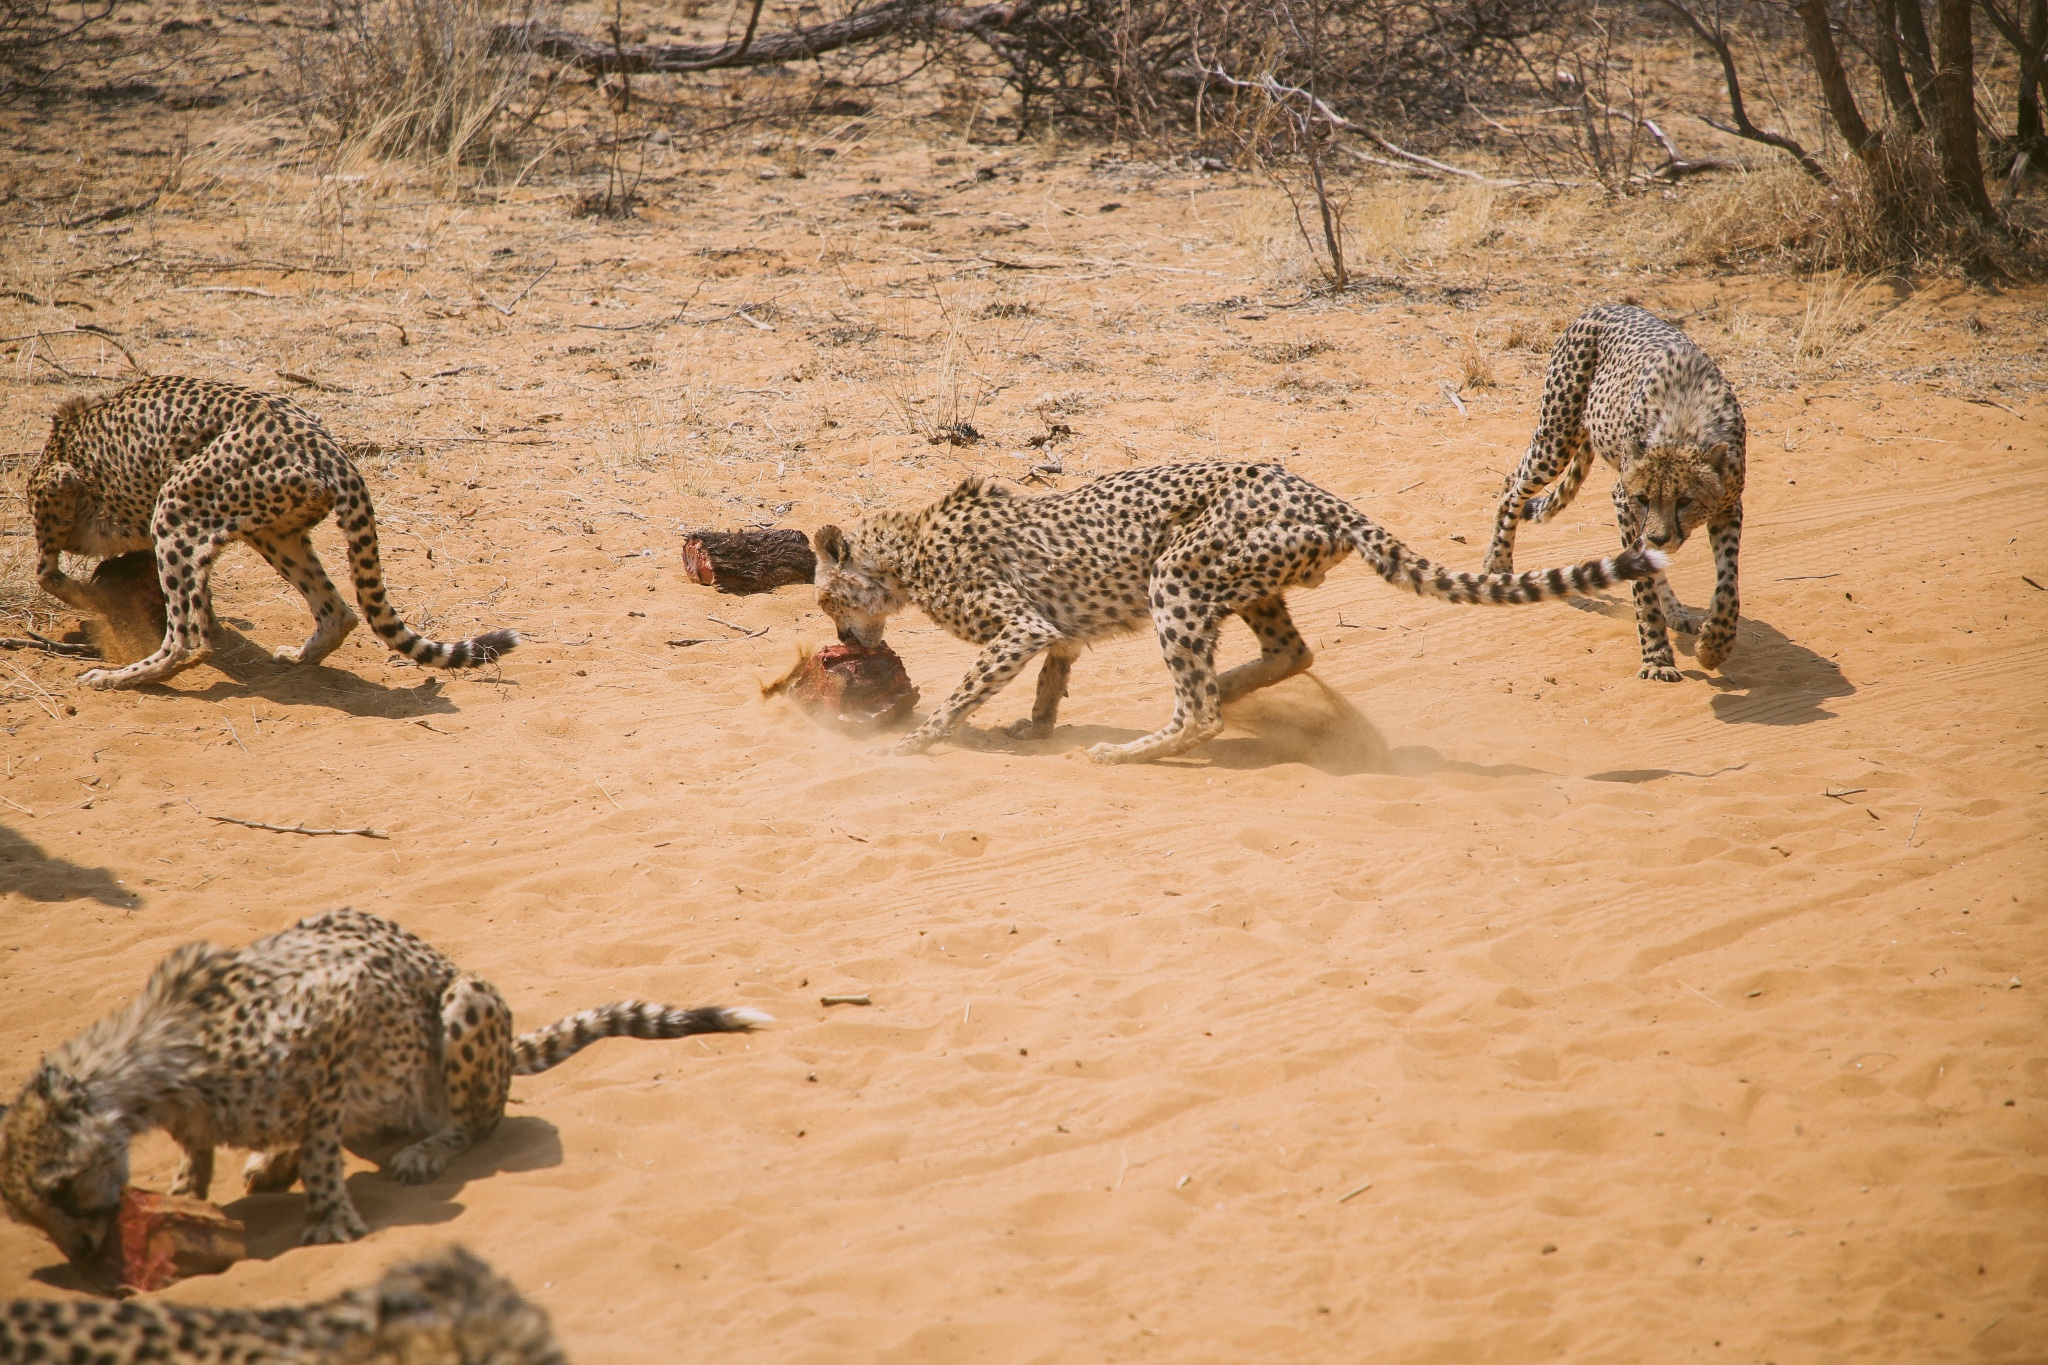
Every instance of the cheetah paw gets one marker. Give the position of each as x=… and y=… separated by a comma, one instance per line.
x=99, y=679
x=1111, y=753
x=1714, y=651
x=288, y=654
x=1026, y=729
x=415, y=1166
x=343, y=1225
x=1659, y=673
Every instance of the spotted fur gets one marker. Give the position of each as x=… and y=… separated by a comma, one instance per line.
x=187, y=467
x=1629, y=387
x=1181, y=547
x=343, y=1031
x=449, y=1309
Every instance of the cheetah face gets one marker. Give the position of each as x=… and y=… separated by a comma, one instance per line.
x=62, y=1164
x=858, y=595
x=1675, y=489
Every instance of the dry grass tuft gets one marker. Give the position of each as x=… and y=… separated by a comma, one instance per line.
x=426, y=80
x=1289, y=352
x=1477, y=364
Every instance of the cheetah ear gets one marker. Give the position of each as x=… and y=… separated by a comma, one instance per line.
x=831, y=544
x=1717, y=456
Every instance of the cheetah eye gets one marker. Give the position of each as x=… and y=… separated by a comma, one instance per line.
x=1685, y=502
x=1642, y=501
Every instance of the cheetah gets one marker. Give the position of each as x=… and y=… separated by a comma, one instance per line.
x=187, y=467
x=448, y=1309
x=343, y=1030
x=1629, y=387
x=1182, y=546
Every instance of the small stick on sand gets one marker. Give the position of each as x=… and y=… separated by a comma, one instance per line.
x=1916, y=826
x=49, y=646
x=1352, y=1194
x=18, y=806
x=1452, y=394
x=301, y=828
x=844, y=1000
x=1844, y=792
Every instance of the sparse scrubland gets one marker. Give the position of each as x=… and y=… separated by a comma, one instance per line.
x=1467, y=1000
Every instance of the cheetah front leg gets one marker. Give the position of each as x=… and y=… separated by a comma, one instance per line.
x=1282, y=651
x=1052, y=689
x=1659, y=664
x=476, y=1077
x=330, y=1214
x=195, y=1170
x=185, y=556
x=1550, y=450
x=291, y=554
x=1717, y=636
x=1189, y=643
x=1002, y=659
x=56, y=519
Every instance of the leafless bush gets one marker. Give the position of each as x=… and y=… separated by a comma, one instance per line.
x=431, y=80
x=35, y=38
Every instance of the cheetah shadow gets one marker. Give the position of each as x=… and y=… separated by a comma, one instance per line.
x=1302, y=720
x=521, y=1143
x=1770, y=679
x=274, y=1222
x=251, y=671
x=26, y=870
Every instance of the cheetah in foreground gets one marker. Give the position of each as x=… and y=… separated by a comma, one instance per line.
x=187, y=467
x=341, y=1031
x=449, y=1309
x=1629, y=387
x=1182, y=546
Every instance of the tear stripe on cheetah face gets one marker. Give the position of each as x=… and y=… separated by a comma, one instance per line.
x=187, y=467
x=1632, y=389
x=343, y=1031
x=1179, y=547
x=447, y=1309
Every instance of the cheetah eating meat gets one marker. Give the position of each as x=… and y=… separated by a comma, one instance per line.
x=341, y=1031
x=1629, y=387
x=449, y=1309
x=187, y=467
x=1182, y=546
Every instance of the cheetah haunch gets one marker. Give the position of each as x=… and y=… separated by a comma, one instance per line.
x=187, y=467
x=1182, y=546
x=449, y=1309
x=343, y=1031
x=1629, y=387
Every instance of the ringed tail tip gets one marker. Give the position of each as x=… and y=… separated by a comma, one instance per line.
x=743, y=1020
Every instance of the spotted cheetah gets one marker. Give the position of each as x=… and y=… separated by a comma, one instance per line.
x=449, y=1309
x=1629, y=387
x=187, y=467
x=1183, y=546
x=341, y=1031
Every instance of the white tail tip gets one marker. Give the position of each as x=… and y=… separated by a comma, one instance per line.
x=1658, y=560
x=750, y=1016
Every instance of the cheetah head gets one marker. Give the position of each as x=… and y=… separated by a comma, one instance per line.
x=62, y=1162
x=857, y=592
x=1675, y=488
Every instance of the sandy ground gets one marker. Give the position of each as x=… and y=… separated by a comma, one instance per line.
x=1468, y=1000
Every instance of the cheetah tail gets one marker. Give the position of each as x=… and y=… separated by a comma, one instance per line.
x=358, y=521
x=551, y=1046
x=1403, y=568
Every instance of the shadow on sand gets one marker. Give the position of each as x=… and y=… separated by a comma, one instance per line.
x=275, y=1221
x=28, y=871
x=1770, y=679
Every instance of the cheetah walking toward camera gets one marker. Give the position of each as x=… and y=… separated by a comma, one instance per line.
x=1629, y=387
x=187, y=467
x=1181, y=547
x=343, y=1031
x=449, y=1309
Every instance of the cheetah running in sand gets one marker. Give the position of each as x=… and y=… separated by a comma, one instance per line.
x=449, y=1309
x=343, y=1031
x=1180, y=546
x=187, y=467
x=1629, y=387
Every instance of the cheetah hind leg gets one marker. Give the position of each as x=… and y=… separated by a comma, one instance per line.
x=1190, y=650
x=1052, y=688
x=1282, y=651
x=291, y=554
x=476, y=1070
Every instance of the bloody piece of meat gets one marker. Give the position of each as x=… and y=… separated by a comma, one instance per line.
x=857, y=688
x=160, y=1239
x=749, y=561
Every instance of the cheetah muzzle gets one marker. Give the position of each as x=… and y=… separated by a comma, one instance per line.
x=188, y=467
x=341, y=1032
x=1180, y=547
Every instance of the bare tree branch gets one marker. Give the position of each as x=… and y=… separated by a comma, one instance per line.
x=1742, y=127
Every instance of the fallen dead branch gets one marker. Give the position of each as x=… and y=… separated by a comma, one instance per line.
x=903, y=17
x=49, y=646
x=301, y=828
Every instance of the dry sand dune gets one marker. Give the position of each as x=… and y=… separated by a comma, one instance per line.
x=1468, y=1000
